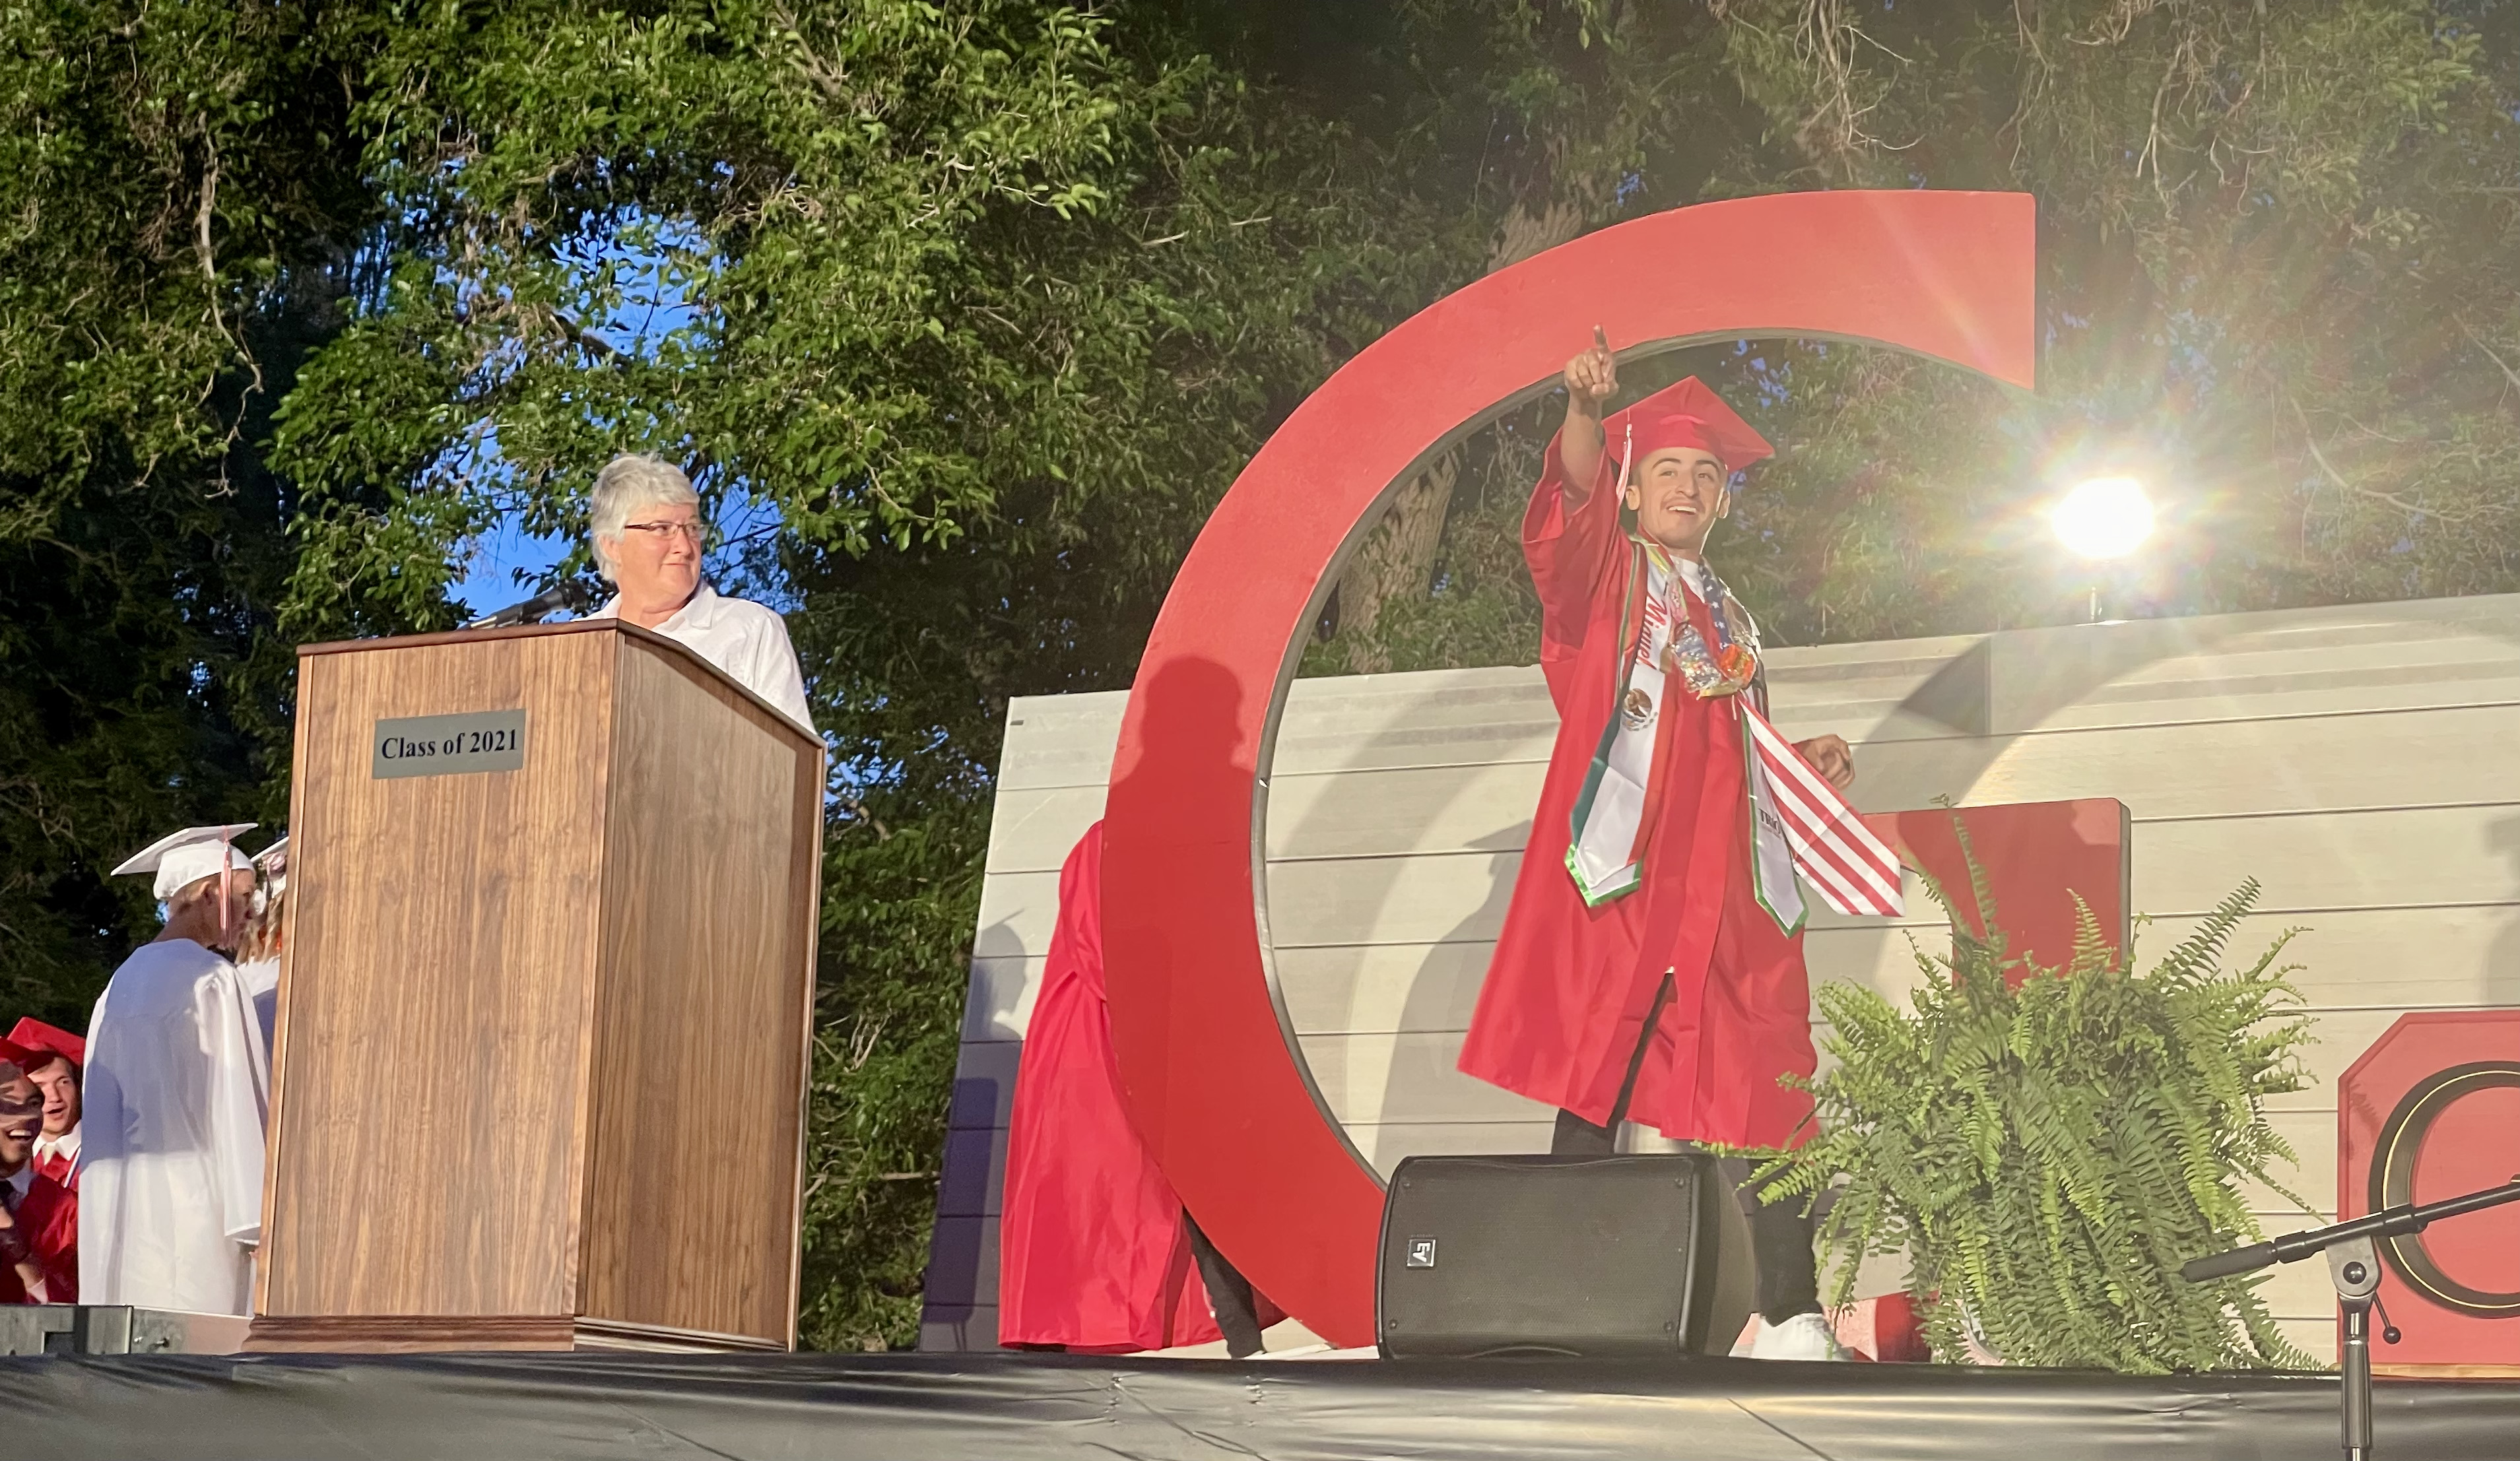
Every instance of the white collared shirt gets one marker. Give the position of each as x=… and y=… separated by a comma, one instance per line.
x=66, y=1143
x=747, y=639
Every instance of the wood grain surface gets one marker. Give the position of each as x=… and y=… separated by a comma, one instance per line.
x=427, y=1127
x=541, y=1055
x=408, y=1333
x=714, y=836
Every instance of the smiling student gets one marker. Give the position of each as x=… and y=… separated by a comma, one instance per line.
x=1650, y=967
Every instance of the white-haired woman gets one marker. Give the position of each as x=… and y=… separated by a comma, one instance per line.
x=646, y=529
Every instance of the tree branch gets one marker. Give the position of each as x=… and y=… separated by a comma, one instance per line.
x=2505, y=365
x=579, y=335
x=2310, y=439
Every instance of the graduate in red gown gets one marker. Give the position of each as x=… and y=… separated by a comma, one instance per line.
x=59, y=1054
x=1095, y=1250
x=1650, y=966
x=38, y=1216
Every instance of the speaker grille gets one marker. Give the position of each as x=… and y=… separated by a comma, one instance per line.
x=1587, y=1256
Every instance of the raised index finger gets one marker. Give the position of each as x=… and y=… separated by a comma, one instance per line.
x=1601, y=341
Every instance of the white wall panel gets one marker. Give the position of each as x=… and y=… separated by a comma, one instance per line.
x=1018, y=911
x=1386, y=1144
x=1411, y=1076
x=1413, y=810
x=1438, y=718
x=1407, y=1077
x=985, y=1084
x=1061, y=740
x=2308, y=763
x=1032, y=829
x=2363, y=763
x=1381, y=987
x=1434, y=898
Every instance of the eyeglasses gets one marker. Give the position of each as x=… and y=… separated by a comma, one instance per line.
x=667, y=531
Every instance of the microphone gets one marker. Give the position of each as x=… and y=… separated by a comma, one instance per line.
x=2225, y=1264
x=570, y=596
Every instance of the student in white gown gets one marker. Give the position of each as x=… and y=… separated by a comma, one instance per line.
x=646, y=529
x=257, y=953
x=170, y=1191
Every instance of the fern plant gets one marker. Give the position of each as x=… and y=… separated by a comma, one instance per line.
x=2048, y=1153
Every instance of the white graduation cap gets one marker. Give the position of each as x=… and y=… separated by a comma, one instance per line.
x=183, y=857
x=275, y=857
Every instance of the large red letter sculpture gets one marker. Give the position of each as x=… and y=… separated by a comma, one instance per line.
x=2427, y=1113
x=1208, y=1073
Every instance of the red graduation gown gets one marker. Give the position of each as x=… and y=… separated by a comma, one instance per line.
x=48, y=1220
x=1569, y=987
x=60, y=1168
x=1092, y=1250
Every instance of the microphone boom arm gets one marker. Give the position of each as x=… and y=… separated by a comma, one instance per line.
x=572, y=596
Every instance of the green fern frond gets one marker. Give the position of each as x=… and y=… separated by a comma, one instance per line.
x=2048, y=1151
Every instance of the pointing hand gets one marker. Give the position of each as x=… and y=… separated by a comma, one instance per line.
x=1593, y=377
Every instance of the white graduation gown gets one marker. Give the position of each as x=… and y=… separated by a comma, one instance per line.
x=261, y=977
x=176, y=1084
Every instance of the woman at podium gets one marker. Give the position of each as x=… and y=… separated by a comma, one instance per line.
x=646, y=529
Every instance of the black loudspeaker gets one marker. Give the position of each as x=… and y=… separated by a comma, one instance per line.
x=1599, y=1257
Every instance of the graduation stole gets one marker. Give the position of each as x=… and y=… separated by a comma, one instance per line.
x=1798, y=823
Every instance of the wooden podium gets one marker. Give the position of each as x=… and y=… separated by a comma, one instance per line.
x=540, y=1075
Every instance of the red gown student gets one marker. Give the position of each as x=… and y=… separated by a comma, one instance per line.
x=1646, y=971
x=38, y=1216
x=1095, y=1251
x=56, y=1081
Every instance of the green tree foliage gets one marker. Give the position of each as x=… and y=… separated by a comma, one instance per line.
x=2280, y=279
x=964, y=316
x=936, y=270
x=175, y=206
x=897, y=913
x=2047, y=1154
x=2281, y=261
x=979, y=307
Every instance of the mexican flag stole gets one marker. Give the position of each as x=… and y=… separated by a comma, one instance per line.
x=1621, y=802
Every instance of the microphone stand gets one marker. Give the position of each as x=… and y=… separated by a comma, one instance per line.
x=572, y=596
x=2353, y=1267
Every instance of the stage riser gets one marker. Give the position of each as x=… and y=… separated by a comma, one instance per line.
x=912, y=1407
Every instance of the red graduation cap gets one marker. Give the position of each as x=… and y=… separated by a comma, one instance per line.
x=1684, y=415
x=26, y=1060
x=46, y=1041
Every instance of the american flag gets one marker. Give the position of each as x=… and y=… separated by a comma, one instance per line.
x=1853, y=870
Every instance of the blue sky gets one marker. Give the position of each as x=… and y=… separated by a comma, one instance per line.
x=645, y=267
x=491, y=583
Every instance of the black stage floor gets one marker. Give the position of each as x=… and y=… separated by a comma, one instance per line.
x=841, y=1407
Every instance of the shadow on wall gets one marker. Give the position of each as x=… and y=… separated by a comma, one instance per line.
x=1438, y=1003
x=1397, y=1063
